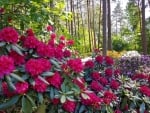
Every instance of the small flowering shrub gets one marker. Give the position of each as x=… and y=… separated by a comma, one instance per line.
x=129, y=65
x=115, y=54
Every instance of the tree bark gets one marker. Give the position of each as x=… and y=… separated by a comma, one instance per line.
x=144, y=39
x=109, y=25
x=104, y=28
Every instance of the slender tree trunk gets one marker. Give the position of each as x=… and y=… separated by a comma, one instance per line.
x=144, y=40
x=71, y=7
x=104, y=28
x=109, y=25
x=89, y=25
x=100, y=14
x=93, y=24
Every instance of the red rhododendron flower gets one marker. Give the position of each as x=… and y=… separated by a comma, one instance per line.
x=145, y=90
x=108, y=72
x=39, y=86
x=95, y=85
x=89, y=64
x=53, y=36
x=49, y=28
x=75, y=65
x=6, y=91
x=70, y=42
x=95, y=75
x=117, y=72
x=109, y=60
x=55, y=101
x=114, y=84
x=37, y=66
x=140, y=76
x=80, y=82
x=92, y=100
x=45, y=50
x=109, y=97
x=62, y=37
x=30, y=32
x=58, y=53
x=69, y=106
x=6, y=65
x=99, y=59
x=66, y=53
x=31, y=42
x=51, y=42
x=55, y=80
x=2, y=10
x=22, y=87
x=9, y=34
x=118, y=111
x=18, y=59
x=61, y=45
x=103, y=81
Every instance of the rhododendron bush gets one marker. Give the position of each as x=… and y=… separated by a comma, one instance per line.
x=46, y=77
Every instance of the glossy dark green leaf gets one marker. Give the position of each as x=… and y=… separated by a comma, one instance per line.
x=31, y=100
x=40, y=97
x=2, y=44
x=41, y=109
x=52, y=92
x=10, y=84
x=47, y=74
x=142, y=108
x=16, y=49
x=26, y=105
x=9, y=103
x=17, y=77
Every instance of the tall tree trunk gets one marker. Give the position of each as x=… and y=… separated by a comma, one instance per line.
x=109, y=25
x=93, y=24
x=89, y=25
x=144, y=40
x=104, y=28
x=100, y=14
x=71, y=8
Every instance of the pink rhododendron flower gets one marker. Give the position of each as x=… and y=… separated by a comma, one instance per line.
x=108, y=72
x=18, y=59
x=31, y=42
x=56, y=101
x=75, y=65
x=118, y=111
x=92, y=100
x=37, y=66
x=66, y=53
x=70, y=42
x=51, y=42
x=109, y=97
x=95, y=75
x=2, y=10
x=114, y=84
x=58, y=53
x=69, y=106
x=39, y=86
x=6, y=65
x=21, y=87
x=6, y=91
x=49, y=28
x=53, y=36
x=80, y=82
x=96, y=86
x=103, y=81
x=62, y=37
x=117, y=72
x=45, y=50
x=9, y=34
x=30, y=32
x=99, y=59
x=55, y=80
x=109, y=60
x=89, y=64
x=140, y=76
x=145, y=90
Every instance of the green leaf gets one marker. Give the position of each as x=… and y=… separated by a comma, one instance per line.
x=85, y=96
x=26, y=105
x=41, y=78
x=63, y=99
x=109, y=109
x=31, y=100
x=45, y=74
x=17, y=77
x=81, y=109
x=52, y=92
x=55, y=63
x=142, y=107
x=41, y=109
x=9, y=103
x=2, y=44
x=16, y=49
x=124, y=102
x=40, y=97
x=9, y=82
